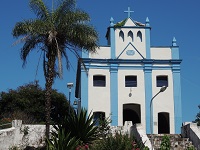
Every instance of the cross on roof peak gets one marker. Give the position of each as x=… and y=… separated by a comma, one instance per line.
x=129, y=12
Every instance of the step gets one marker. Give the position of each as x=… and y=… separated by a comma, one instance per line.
x=177, y=142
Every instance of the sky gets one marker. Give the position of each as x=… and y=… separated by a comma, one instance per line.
x=168, y=19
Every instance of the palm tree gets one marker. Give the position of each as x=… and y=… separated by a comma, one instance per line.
x=55, y=32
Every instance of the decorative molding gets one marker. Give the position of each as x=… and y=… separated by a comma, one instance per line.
x=130, y=52
x=133, y=47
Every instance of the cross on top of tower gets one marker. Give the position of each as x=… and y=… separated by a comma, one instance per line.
x=129, y=12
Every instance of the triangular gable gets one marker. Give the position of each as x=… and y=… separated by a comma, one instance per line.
x=130, y=52
x=130, y=22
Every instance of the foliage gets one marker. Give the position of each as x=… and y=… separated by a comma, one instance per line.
x=76, y=130
x=61, y=141
x=120, y=24
x=145, y=148
x=14, y=148
x=81, y=126
x=116, y=142
x=55, y=32
x=103, y=127
x=33, y=148
x=197, y=120
x=27, y=103
x=191, y=148
x=5, y=123
x=165, y=144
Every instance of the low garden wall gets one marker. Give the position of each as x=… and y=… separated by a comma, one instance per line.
x=21, y=135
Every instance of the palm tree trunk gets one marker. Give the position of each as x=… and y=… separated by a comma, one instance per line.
x=48, y=86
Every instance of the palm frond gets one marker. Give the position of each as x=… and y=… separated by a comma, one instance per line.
x=44, y=65
x=30, y=27
x=65, y=6
x=59, y=55
x=80, y=16
x=67, y=59
x=39, y=9
x=84, y=36
x=21, y=40
x=30, y=44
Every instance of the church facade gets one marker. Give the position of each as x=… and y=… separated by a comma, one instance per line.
x=121, y=79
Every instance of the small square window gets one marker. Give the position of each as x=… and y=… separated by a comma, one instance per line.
x=99, y=80
x=130, y=81
x=162, y=81
x=98, y=116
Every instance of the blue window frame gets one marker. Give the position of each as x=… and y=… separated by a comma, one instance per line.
x=130, y=81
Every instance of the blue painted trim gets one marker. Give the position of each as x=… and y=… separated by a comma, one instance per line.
x=174, y=42
x=132, y=61
x=114, y=94
x=84, y=89
x=148, y=94
x=129, y=67
x=132, y=27
x=85, y=53
x=177, y=99
x=148, y=52
x=147, y=22
x=175, y=52
x=112, y=43
x=126, y=48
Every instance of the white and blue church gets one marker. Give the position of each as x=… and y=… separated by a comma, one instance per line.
x=121, y=79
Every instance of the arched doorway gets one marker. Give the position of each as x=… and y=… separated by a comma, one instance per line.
x=163, y=123
x=131, y=112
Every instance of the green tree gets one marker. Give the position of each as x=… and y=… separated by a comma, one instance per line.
x=27, y=103
x=197, y=120
x=54, y=32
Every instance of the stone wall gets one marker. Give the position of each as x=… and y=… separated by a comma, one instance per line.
x=191, y=131
x=21, y=135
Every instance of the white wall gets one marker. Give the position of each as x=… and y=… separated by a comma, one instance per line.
x=16, y=136
x=99, y=97
x=161, y=53
x=120, y=45
x=138, y=96
x=164, y=102
x=102, y=53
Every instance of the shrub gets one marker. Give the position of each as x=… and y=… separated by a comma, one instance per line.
x=117, y=142
x=81, y=126
x=5, y=123
x=165, y=144
x=61, y=141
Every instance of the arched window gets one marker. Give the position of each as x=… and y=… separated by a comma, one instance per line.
x=99, y=80
x=121, y=36
x=162, y=81
x=139, y=36
x=130, y=36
